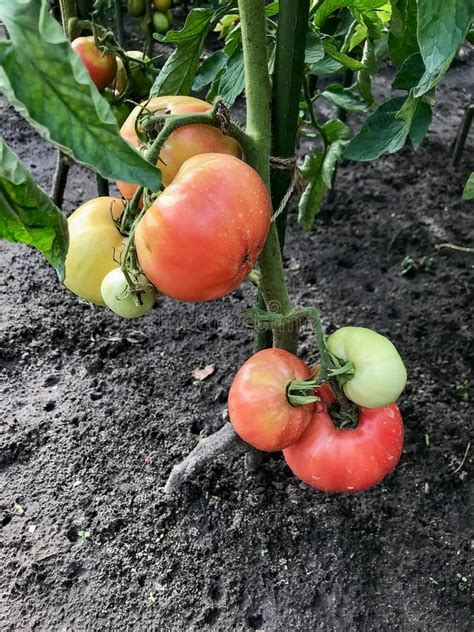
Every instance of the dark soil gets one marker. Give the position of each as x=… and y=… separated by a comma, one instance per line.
x=97, y=410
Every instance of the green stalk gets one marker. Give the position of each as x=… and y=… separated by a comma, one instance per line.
x=287, y=80
x=258, y=97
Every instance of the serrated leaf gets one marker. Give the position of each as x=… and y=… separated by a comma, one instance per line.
x=381, y=133
x=27, y=214
x=314, y=49
x=329, y=6
x=310, y=202
x=468, y=193
x=441, y=29
x=331, y=159
x=342, y=58
x=209, y=69
x=49, y=85
x=410, y=73
x=232, y=81
x=402, y=39
x=178, y=73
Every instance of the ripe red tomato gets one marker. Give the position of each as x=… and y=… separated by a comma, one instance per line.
x=102, y=68
x=202, y=236
x=259, y=409
x=337, y=460
x=183, y=143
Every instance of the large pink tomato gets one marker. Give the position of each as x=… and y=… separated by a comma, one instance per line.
x=202, y=236
x=184, y=142
x=259, y=409
x=338, y=460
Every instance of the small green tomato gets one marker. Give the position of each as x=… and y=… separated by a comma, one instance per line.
x=116, y=296
x=379, y=373
x=160, y=22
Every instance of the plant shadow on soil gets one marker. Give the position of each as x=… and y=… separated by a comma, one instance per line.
x=96, y=411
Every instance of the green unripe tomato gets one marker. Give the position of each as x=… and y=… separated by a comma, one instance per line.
x=136, y=8
x=116, y=296
x=142, y=76
x=169, y=15
x=379, y=373
x=160, y=22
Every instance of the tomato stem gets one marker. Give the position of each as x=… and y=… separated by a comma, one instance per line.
x=258, y=128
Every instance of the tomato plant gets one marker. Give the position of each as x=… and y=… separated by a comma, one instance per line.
x=183, y=143
x=94, y=247
x=202, y=236
x=259, y=409
x=117, y=296
x=102, y=67
x=379, y=373
x=302, y=73
x=332, y=459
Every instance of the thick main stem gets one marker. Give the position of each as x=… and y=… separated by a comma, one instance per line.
x=258, y=98
x=287, y=79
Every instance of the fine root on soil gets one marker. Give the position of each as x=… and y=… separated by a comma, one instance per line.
x=205, y=452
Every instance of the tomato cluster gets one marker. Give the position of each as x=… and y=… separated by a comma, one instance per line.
x=198, y=240
x=316, y=446
x=161, y=13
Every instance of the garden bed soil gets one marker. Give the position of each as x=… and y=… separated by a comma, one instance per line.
x=95, y=412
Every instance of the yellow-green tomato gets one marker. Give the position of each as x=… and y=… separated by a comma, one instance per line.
x=116, y=295
x=379, y=373
x=162, y=5
x=95, y=245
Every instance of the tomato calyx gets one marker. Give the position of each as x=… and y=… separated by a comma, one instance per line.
x=344, y=419
x=301, y=392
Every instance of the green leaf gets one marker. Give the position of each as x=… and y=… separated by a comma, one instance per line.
x=420, y=123
x=326, y=67
x=310, y=202
x=342, y=58
x=329, y=6
x=358, y=36
x=381, y=133
x=468, y=193
x=331, y=159
x=410, y=73
x=49, y=85
x=335, y=129
x=387, y=129
x=314, y=50
x=233, y=79
x=272, y=9
x=27, y=214
x=442, y=27
x=209, y=70
x=344, y=98
x=402, y=40
x=178, y=73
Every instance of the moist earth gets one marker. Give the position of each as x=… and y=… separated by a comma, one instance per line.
x=95, y=412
